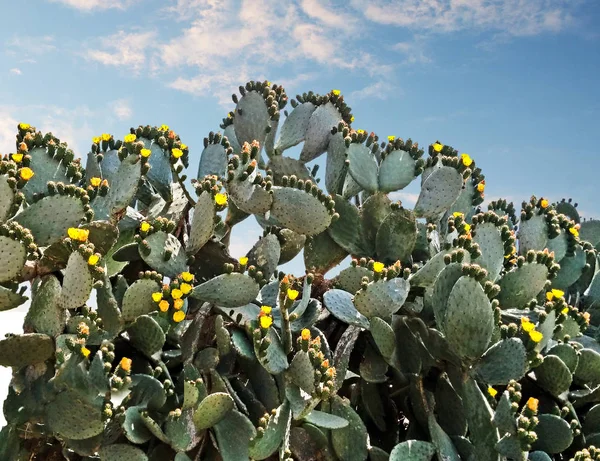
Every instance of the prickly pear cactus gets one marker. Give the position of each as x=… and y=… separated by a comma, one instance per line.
x=457, y=331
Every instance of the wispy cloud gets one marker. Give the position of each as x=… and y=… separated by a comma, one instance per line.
x=379, y=89
x=91, y=5
x=122, y=109
x=30, y=45
x=413, y=50
x=15, y=71
x=123, y=49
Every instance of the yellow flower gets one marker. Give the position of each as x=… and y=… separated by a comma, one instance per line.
x=26, y=173
x=176, y=293
x=526, y=325
x=178, y=316
x=536, y=336
x=130, y=138
x=17, y=157
x=391, y=138
x=157, y=296
x=145, y=227
x=24, y=126
x=292, y=294
x=532, y=404
x=336, y=92
x=145, y=153
x=466, y=160
x=187, y=277
x=105, y=137
x=93, y=260
x=125, y=364
x=265, y=310
x=164, y=128
x=458, y=214
x=468, y=227
x=183, y=146
x=95, y=181
x=177, y=152
x=351, y=119
x=437, y=147
x=330, y=372
x=360, y=131
x=185, y=288
x=492, y=391
x=265, y=321
x=586, y=317
x=244, y=260
x=574, y=231
x=554, y=293
x=96, y=140
x=544, y=203
x=85, y=351
x=378, y=267
x=305, y=334
x=80, y=235
x=163, y=305
x=221, y=199
x=178, y=304
x=481, y=187
x=565, y=310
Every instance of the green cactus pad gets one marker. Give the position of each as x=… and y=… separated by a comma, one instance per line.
x=384, y=337
x=350, y=278
x=321, y=253
x=350, y=442
x=233, y=434
x=138, y=299
x=413, y=450
x=363, y=166
x=571, y=268
x=374, y=210
x=49, y=218
x=463, y=204
x=510, y=446
x=443, y=444
x=13, y=255
x=426, y=275
x=553, y=375
x=450, y=409
x=592, y=420
x=251, y=118
x=147, y=392
x=74, y=417
x=103, y=235
x=274, y=359
x=122, y=189
x=20, y=350
x=134, y=426
x=202, y=223
x=160, y=174
x=266, y=444
x=122, y=452
x=281, y=165
x=265, y=254
x=228, y=290
x=46, y=314
x=182, y=433
x=77, y=283
x=469, y=319
x=108, y=309
x=504, y=418
x=294, y=127
x=339, y=303
x=292, y=244
x=441, y=291
x=538, y=456
x=522, y=284
x=554, y=434
x=483, y=432
x=160, y=242
x=567, y=354
x=533, y=234
x=7, y=197
x=301, y=372
x=46, y=168
x=396, y=236
x=335, y=164
x=590, y=231
x=438, y=192
x=318, y=131
x=212, y=410
x=588, y=368
x=504, y=361
x=373, y=367
x=105, y=169
x=347, y=230
x=229, y=133
x=382, y=298
x=397, y=170
x=487, y=236
x=299, y=211
x=559, y=246
x=213, y=161
x=146, y=335
x=325, y=420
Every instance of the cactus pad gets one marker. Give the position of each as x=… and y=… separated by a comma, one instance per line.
x=384, y=337
x=46, y=168
x=75, y=417
x=7, y=197
x=77, y=284
x=294, y=126
x=382, y=298
x=12, y=258
x=251, y=119
x=350, y=442
x=138, y=299
x=396, y=171
x=363, y=166
x=504, y=361
x=318, y=131
x=122, y=452
x=487, y=236
x=396, y=236
x=10, y=299
x=212, y=410
x=233, y=434
x=202, y=222
x=27, y=349
x=553, y=375
x=413, y=450
x=522, y=284
x=299, y=211
x=339, y=303
x=588, y=368
x=554, y=434
x=438, y=193
x=147, y=335
x=533, y=234
x=213, y=161
x=159, y=243
x=269, y=441
x=228, y=290
x=46, y=314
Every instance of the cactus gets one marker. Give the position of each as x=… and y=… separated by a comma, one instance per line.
x=477, y=327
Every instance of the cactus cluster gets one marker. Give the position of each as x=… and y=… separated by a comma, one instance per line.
x=458, y=331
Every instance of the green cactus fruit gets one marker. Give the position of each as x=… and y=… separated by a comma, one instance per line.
x=396, y=171
x=77, y=283
x=363, y=166
x=321, y=253
x=396, y=236
x=350, y=442
x=233, y=434
x=382, y=298
x=21, y=350
x=301, y=372
x=300, y=211
x=442, y=443
x=384, y=337
x=325, y=420
x=504, y=418
x=122, y=452
x=347, y=230
x=75, y=417
x=146, y=335
x=554, y=434
x=267, y=443
x=438, y=192
x=228, y=290
x=138, y=299
x=533, y=234
x=318, y=131
x=522, y=284
x=46, y=314
x=450, y=409
x=294, y=126
x=504, y=361
x=488, y=237
x=588, y=368
x=161, y=243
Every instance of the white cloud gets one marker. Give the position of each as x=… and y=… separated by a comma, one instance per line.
x=90, y=5
x=25, y=46
x=8, y=131
x=123, y=50
x=413, y=50
x=327, y=14
x=378, y=89
x=122, y=109
x=15, y=71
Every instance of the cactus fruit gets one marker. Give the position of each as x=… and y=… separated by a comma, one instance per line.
x=475, y=328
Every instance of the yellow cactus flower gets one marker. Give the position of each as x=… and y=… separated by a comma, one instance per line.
x=532, y=404
x=81, y=235
x=145, y=226
x=544, y=203
x=187, y=276
x=95, y=181
x=244, y=260
x=96, y=140
x=17, y=157
x=265, y=310
x=221, y=199
x=163, y=305
x=351, y=119
x=177, y=152
x=565, y=310
x=176, y=293
x=266, y=321
x=292, y=294
x=574, y=231
x=24, y=126
x=130, y=137
x=466, y=160
x=437, y=147
x=586, y=317
x=183, y=146
x=164, y=128
x=83, y=329
x=481, y=187
x=145, y=153
x=157, y=296
x=93, y=260
x=125, y=364
x=330, y=372
x=106, y=137
x=185, y=288
x=526, y=325
x=85, y=351
x=493, y=392
x=536, y=336
x=360, y=131
x=554, y=293
x=378, y=267
x=325, y=363
x=391, y=138
x=468, y=227
x=26, y=173
x=178, y=304
x=178, y=316
x=336, y=92
x=305, y=334
x=458, y=214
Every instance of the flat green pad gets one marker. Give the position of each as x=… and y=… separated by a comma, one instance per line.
x=7, y=196
x=441, y=291
x=301, y=372
x=339, y=303
x=554, y=434
x=233, y=434
x=138, y=299
x=202, y=223
x=347, y=230
x=122, y=452
x=487, y=236
x=146, y=335
x=49, y=218
x=299, y=211
x=363, y=166
x=160, y=242
x=350, y=278
x=265, y=254
x=571, y=268
x=426, y=275
x=483, y=433
x=503, y=416
x=274, y=359
x=281, y=166
x=251, y=124
x=396, y=171
x=228, y=290
x=77, y=283
x=321, y=253
x=212, y=410
x=213, y=161
x=264, y=446
x=443, y=444
x=592, y=420
x=122, y=189
x=46, y=314
x=74, y=417
x=294, y=126
x=335, y=164
x=374, y=210
x=533, y=234
x=325, y=420
x=20, y=350
x=504, y=361
x=46, y=169
x=350, y=442
x=413, y=450
x=553, y=375
x=396, y=236
x=567, y=354
x=559, y=245
x=160, y=174
x=13, y=255
x=10, y=299
x=521, y=285
x=469, y=319
x=438, y=192
x=590, y=231
x=588, y=368
x=318, y=131
x=382, y=298
x=384, y=336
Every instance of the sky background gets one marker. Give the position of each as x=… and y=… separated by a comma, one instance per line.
x=514, y=83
